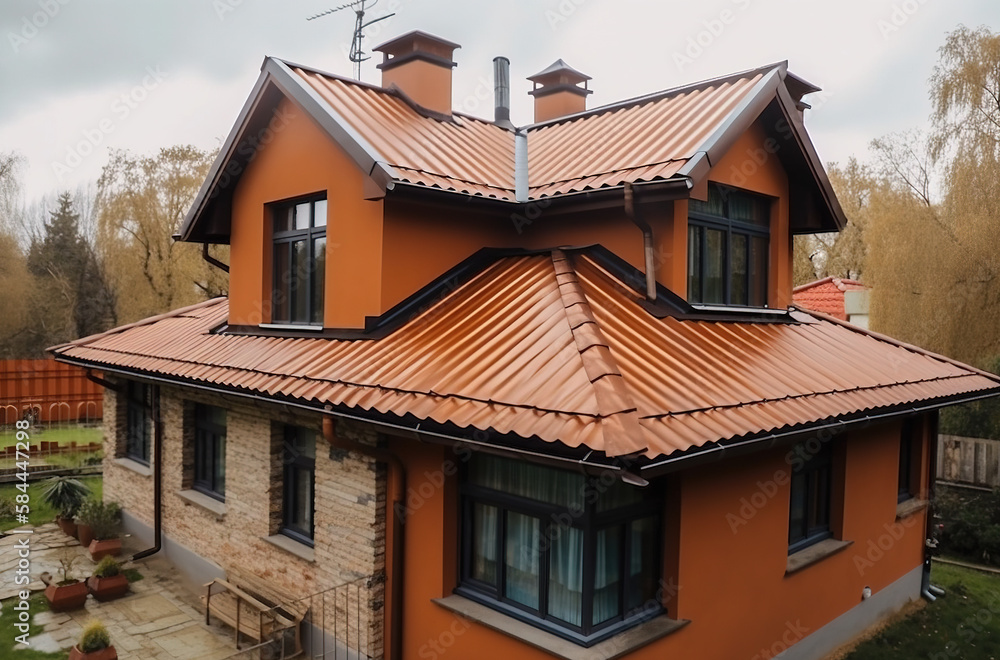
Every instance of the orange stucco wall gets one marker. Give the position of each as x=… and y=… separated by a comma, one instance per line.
x=726, y=549
x=301, y=160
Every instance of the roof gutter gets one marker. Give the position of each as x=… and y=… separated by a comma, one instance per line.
x=719, y=451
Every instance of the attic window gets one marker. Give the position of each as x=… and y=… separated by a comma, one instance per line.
x=728, y=238
x=299, y=265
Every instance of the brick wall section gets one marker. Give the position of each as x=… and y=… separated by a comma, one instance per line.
x=349, y=503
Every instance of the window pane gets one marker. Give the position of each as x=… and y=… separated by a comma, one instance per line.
x=280, y=300
x=566, y=574
x=607, y=574
x=484, y=543
x=302, y=215
x=521, y=558
x=300, y=281
x=714, y=269
x=758, y=271
x=617, y=495
x=694, y=264
x=220, y=465
x=529, y=480
x=714, y=206
x=283, y=219
x=797, y=513
x=318, y=279
x=301, y=511
x=319, y=213
x=643, y=569
x=744, y=207
x=738, y=270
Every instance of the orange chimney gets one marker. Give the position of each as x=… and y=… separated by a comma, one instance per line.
x=420, y=65
x=557, y=91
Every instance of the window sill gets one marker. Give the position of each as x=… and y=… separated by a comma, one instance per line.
x=814, y=553
x=909, y=507
x=134, y=466
x=290, y=545
x=308, y=327
x=616, y=647
x=203, y=501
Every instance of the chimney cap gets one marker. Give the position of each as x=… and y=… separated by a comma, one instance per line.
x=559, y=69
x=417, y=41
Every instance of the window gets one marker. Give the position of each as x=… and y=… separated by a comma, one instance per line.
x=907, y=442
x=299, y=262
x=210, y=451
x=299, y=459
x=728, y=248
x=809, y=513
x=139, y=421
x=570, y=554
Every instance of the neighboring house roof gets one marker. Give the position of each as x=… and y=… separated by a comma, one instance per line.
x=826, y=295
x=671, y=137
x=556, y=346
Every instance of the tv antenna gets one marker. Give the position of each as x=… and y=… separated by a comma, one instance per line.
x=357, y=54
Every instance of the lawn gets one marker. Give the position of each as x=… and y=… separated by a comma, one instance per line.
x=9, y=648
x=41, y=512
x=963, y=624
x=61, y=434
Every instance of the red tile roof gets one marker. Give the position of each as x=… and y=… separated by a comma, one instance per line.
x=826, y=295
x=557, y=347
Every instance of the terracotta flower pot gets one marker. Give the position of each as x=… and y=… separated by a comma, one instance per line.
x=100, y=549
x=85, y=534
x=66, y=597
x=66, y=525
x=104, y=654
x=108, y=588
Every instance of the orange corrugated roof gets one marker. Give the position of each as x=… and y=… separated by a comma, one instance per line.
x=826, y=295
x=554, y=346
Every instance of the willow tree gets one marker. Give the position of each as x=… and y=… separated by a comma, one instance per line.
x=141, y=201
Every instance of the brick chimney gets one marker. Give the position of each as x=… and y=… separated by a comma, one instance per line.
x=420, y=65
x=557, y=91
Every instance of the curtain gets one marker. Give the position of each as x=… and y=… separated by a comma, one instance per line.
x=522, y=550
x=607, y=574
x=536, y=482
x=484, y=543
x=566, y=575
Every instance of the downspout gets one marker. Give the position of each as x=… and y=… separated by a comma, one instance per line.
x=647, y=241
x=157, y=480
x=394, y=512
x=212, y=260
x=106, y=384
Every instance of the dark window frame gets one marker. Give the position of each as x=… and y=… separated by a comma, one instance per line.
x=590, y=522
x=700, y=221
x=283, y=281
x=294, y=462
x=815, y=476
x=907, y=490
x=138, y=421
x=208, y=435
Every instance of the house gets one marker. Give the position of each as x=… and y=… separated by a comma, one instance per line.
x=844, y=299
x=535, y=391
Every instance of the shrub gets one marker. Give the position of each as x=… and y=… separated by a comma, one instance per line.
x=979, y=419
x=7, y=509
x=95, y=637
x=101, y=517
x=107, y=567
x=64, y=494
x=971, y=524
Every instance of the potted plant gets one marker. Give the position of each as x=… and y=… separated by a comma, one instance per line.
x=68, y=593
x=87, y=512
x=94, y=644
x=65, y=495
x=108, y=582
x=103, y=519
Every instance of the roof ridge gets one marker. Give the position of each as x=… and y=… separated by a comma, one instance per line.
x=84, y=341
x=618, y=411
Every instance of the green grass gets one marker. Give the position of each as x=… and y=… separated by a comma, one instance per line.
x=963, y=624
x=61, y=434
x=40, y=511
x=9, y=648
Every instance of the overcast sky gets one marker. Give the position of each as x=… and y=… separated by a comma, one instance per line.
x=80, y=76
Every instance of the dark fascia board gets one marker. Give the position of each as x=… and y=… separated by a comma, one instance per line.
x=276, y=75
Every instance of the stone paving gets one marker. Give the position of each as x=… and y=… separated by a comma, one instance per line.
x=160, y=619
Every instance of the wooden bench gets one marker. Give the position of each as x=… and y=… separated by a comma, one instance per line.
x=253, y=607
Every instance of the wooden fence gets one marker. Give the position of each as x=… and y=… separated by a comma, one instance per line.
x=971, y=461
x=47, y=391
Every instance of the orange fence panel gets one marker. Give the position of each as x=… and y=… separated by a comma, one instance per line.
x=47, y=391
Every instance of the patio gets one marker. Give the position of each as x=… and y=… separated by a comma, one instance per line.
x=160, y=619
